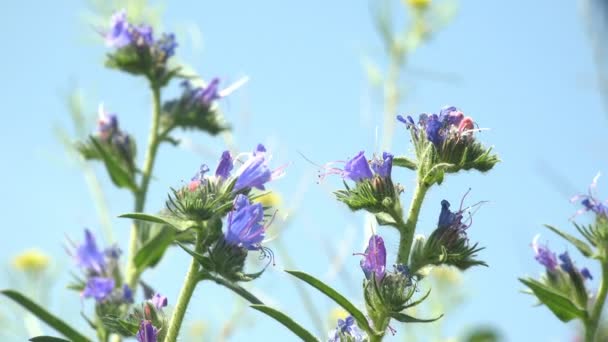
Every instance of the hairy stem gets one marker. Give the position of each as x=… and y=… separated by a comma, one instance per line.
x=140, y=195
x=592, y=324
x=408, y=229
x=192, y=278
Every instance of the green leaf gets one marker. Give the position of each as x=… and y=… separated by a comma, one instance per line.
x=45, y=316
x=401, y=317
x=289, y=323
x=180, y=225
x=336, y=297
x=47, y=339
x=560, y=305
x=236, y=288
x=404, y=162
x=385, y=219
x=414, y=303
x=120, y=326
x=579, y=244
x=120, y=177
x=203, y=260
x=152, y=251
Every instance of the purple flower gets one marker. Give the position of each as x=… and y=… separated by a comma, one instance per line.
x=433, y=130
x=119, y=34
x=88, y=256
x=357, y=168
x=245, y=224
x=209, y=93
x=225, y=165
x=347, y=328
x=254, y=172
x=198, y=178
x=107, y=124
x=449, y=219
x=544, y=255
x=568, y=266
x=374, y=261
x=143, y=35
x=147, y=332
x=383, y=166
x=159, y=301
x=99, y=288
x=113, y=252
x=590, y=202
x=451, y=115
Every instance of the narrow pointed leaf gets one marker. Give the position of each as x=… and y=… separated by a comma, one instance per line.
x=401, y=317
x=560, y=305
x=152, y=251
x=579, y=244
x=47, y=339
x=119, y=175
x=45, y=316
x=236, y=288
x=179, y=225
x=289, y=323
x=404, y=162
x=414, y=303
x=203, y=260
x=336, y=297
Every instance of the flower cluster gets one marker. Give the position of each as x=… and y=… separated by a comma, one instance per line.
x=100, y=268
x=195, y=108
x=347, y=330
x=448, y=244
x=590, y=202
x=374, y=190
x=547, y=258
x=455, y=148
x=137, y=50
x=148, y=332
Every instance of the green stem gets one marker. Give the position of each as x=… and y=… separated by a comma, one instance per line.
x=408, y=229
x=592, y=324
x=192, y=278
x=140, y=195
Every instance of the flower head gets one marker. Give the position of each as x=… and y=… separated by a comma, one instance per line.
x=206, y=95
x=119, y=34
x=347, y=328
x=167, y=45
x=567, y=265
x=590, y=202
x=159, y=301
x=31, y=260
x=99, y=288
x=245, y=224
x=107, y=124
x=544, y=255
x=88, y=256
x=198, y=178
x=254, y=172
x=373, y=263
x=357, y=168
x=449, y=124
x=147, y=332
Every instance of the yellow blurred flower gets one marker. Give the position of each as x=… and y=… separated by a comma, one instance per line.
x=418, y=4
x=270, y=199
x=450, y=275
x=337, y=313
x=198, y=329
x=31, y=260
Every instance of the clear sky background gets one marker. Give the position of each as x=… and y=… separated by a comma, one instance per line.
x=522, y=68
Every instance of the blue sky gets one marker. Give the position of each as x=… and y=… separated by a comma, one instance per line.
x=523, y=69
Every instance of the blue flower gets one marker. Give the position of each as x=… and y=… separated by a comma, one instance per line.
x=119, y=34
x=143, y=35
x=544, y=255
x=374, y=261
x=107, y=123
x=99, y=288
x=347, y=328
x=88, y=256
x=449, y=124
x=254, y=172
x=586, y=274
x=568, y=266
x=449, y=219
x=225, y=166
x=245, y=224
x=383, y=166
x=147, y=332
x=590, y=202
x=357, y=168
x=127, y=294
x=208, y=94
x=159, y=301
x=167, y=44
x=433, y=130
